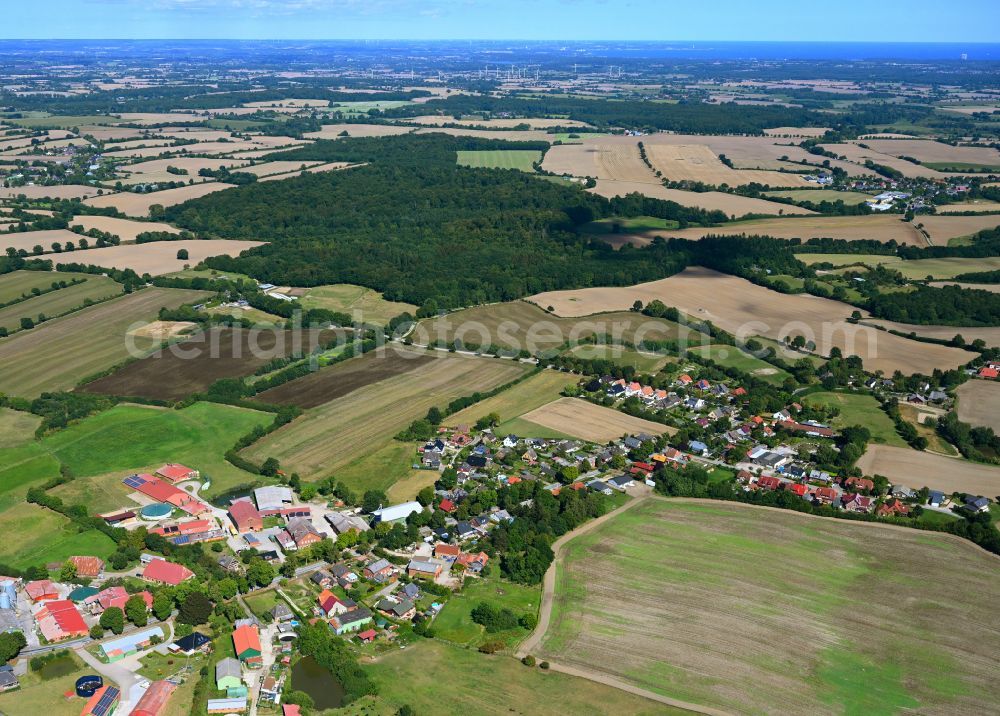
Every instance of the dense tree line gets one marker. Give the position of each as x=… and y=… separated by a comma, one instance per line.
x=947, y=305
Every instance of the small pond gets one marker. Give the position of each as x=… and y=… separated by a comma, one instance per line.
x=322, y=686
x=60, y=666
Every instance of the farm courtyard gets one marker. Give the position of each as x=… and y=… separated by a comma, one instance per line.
x=762, y=611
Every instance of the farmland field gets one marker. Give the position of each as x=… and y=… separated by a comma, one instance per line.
x=16, y=284
x=849, y=228
x=745, y=309
x=931, y=153
x=333, y=131
x=336, y=381
x=757, y=611
x=159, y=257
x=520, y=325
x=193, y=365
x=917, y=416
x=990, y=334
x=34, y=535
x=733, y=205
x=861, y=410
x=29, y=239
x=33, y=362
x=601, y=158
x=916, y=469
x=981, y=206
x=818, y=195
x=732, y=357
x=587, y=421
x=61, y=191
x=500, y=159
x=128, y=438
x=940, y=268
x=56, y=303
x=642, y=362
x=979, y=403
x=347, y=298
x=699, y=163
x=455, y=624
x=125, y=229
x=502, y=686
x=338, y=432
x=529, y=394
x=138, y=204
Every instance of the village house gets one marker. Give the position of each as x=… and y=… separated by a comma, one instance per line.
x=422, y=568
x=892, y=508
x=118, y=649
x=350, y=621
x=331, y=604
x=381, y=570
x=303, y=532
x=228, y=674
x=342, y=522
x=447, y=552
x=174, y=473
x=160, y=571
x=854, y=502
x=246, y=643
x=403, y=609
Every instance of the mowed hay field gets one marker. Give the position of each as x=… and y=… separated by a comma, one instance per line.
x=990, y=334
x=733, y=205
x=536, y=391
x=62, y=191
x=125, y=229
x=521, y=159
x=138, y=204
x=918, y=469
x=587, y=421
x=745, y=309
x=193, y=365
x=941, y=268
x=369, y=305
x=979, y=403
x=57, y=303
x=337, y=432
x=758, y=611
x=61, y=352
x=819, y=195
x=159, y=257
x=521, y=325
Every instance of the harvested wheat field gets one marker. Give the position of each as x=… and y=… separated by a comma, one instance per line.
x=944, y=228
x=978, y=206
x=698, y=163
x=63, y=191
x=745, y=309
x=938, y=472
x=315, y=169
x=125, y=229
x=155, y=170
x=36, y=360
x=733, y=205
x=796, y=131
x=27, y=240
x=990, y=334
x=600, y=158
x=334, y=131
x=849, y=228
x=138, y=204
x=587, y=421
x=157, y=117
x=277, y=167
x=979, y=403
x=159, y=257
x=332, y=435
x=530, y=122
x=218, y=148
x=512, y=135
x=927, y=150
x=858, y=155
x=756, y=611
x=991, y=287
x=162, y=330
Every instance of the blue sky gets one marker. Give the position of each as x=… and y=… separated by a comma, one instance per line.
x=766, y=20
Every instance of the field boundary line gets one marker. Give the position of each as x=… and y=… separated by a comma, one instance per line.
x=545, y=614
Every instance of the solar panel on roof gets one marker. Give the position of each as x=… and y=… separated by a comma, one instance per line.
x=134, y=481
x=106, y=701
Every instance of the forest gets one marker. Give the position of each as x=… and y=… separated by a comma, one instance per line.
x=414, y=225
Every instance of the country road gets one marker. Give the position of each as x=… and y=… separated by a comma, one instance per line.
x=545, y=616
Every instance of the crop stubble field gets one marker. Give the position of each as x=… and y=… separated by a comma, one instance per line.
x=40, y=360
x=733, y=205
x=745, y=309
x=979, y=403
x=761, y=611
x=159, y=257
x=56, y=303
x=336, y=432
x=938, y=472
x=587, y=421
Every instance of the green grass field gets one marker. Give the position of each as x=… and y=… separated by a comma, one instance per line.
x=433, y=677
x=520, y=159
x=57, y=303
x=818, y=195
x=627, y=225
x=19, y=283
x=132, y=437
x=941, y=268
x=34, y=535
x=848, y=259
x=642, y=362
x=527, y=429
x=732, y=357
x=44, y=696
x=17, y=428
x=455, y=624
x=860, y=410
x=370, y=306
x=744, y=610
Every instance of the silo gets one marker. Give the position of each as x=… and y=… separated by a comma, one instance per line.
x=8, y=594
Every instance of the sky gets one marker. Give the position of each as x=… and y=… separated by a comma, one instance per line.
x=665, y=20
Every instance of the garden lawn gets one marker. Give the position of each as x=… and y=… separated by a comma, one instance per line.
x=455, y=624
x=861, y=410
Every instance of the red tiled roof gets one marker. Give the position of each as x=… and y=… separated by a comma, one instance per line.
x=246, y=637
x=447, y=505
x=175, y=472
x=244, y=514
x=367, y=635
x=41, y=589
x=160, y=570
x=447, y=549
